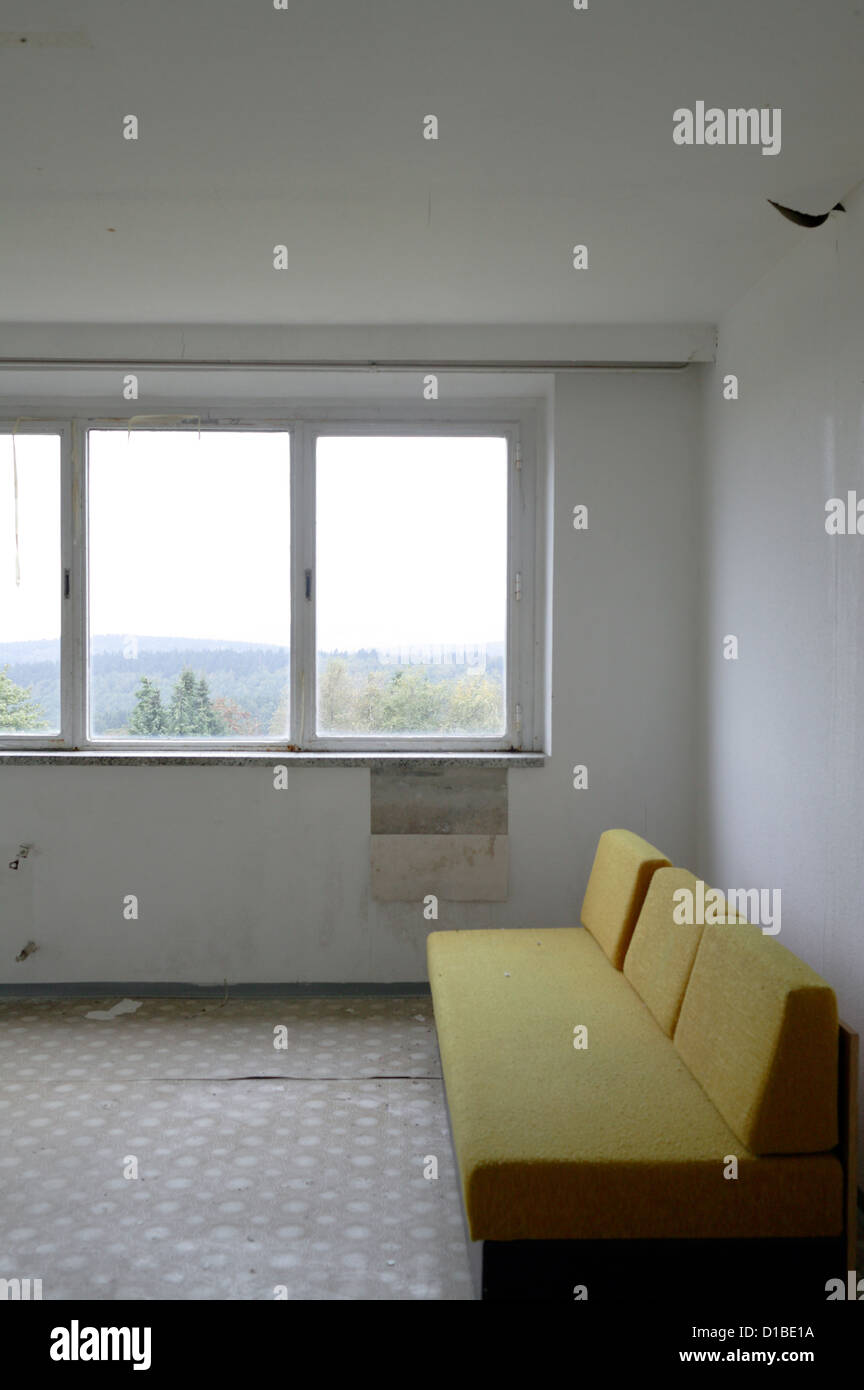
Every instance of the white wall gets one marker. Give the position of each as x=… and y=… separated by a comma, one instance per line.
x=626, y=610
x=782, y=780
x=237, y=881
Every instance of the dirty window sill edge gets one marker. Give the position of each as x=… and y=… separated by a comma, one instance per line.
x=234, y=758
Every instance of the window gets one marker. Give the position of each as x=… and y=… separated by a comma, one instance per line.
x=411, y=619
x=30, y=584
x=190, y=584
x=316, y=584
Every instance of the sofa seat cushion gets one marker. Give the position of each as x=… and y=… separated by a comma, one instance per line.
x=622, y=870
x=616, y=1140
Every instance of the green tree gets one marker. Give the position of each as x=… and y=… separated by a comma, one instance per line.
x=369, y=705
x=184, y=713
x=210, y=720
x=149, y=717
x=474, y=705
x=336, y=699
x=18, y=710
x=190, y=712
x=412, y=704
x=279, y=723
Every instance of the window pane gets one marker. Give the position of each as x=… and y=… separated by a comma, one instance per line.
x=30, y=584
x=189, y=584
x=412, y=585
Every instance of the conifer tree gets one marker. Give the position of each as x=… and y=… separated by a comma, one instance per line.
x=149, y=717
x=191, y=713
x=184, y=713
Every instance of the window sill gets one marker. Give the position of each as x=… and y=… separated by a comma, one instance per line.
x=406, y=761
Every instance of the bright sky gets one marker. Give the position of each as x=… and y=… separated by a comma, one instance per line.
x=190, y=537
x=30, y=610
x=412, y=541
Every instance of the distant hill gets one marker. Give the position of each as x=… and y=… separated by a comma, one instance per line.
x=49, y=650
x=29, y=652
x=113, y=642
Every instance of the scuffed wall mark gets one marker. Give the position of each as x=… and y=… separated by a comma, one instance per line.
x=471, y=850
x=60, y=38
x=454, y=801
x=457, y=868
x=125, y=1006
x=27, y=950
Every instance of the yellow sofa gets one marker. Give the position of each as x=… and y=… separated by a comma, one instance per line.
x=638, y=1080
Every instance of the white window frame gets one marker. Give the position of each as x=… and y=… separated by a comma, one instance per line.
x=517, y=424
x=69, y=637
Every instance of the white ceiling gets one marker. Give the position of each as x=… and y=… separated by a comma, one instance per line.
x=304, y=127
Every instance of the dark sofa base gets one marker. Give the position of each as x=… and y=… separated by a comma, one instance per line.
x=712, y=1274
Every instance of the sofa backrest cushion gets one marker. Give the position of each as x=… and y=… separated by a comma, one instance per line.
x=623, y=868
x=662, y=949
x=759, y=1031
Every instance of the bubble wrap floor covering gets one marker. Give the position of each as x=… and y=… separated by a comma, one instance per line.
x=261, y=1171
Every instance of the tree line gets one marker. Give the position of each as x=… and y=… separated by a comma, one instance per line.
x=351, y=699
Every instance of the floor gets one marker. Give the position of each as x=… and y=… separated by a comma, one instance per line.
x=280, y=1149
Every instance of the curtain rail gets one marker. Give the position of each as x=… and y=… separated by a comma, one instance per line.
x=351, y=364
